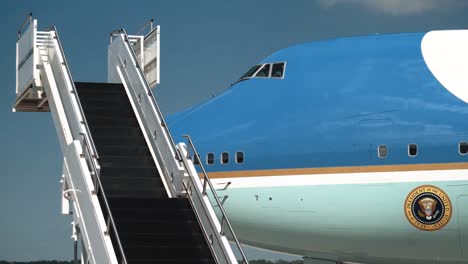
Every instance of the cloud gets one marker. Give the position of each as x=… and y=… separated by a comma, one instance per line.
x=397, y=7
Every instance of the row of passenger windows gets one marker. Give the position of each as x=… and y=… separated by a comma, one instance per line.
x=224, y=158
x=382, y=150
x=268, y=70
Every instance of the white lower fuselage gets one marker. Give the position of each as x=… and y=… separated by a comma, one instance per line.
x=346, y=216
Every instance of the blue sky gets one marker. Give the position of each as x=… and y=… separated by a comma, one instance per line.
x=206, y=45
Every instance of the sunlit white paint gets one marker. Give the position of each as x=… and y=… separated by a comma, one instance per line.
x=446, y=54
x=343, y=178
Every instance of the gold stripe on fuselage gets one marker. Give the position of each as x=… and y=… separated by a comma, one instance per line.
x=330, y=170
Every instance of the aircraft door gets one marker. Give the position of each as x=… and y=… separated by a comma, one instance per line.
x=371, y=133
x=463, y=218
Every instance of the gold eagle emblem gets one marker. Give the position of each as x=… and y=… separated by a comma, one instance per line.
x=428, y=208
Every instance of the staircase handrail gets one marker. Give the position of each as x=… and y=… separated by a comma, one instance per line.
x=98, y=185
x=150, y=93
x=207, y=181
x=80, y=108
x=92, y=154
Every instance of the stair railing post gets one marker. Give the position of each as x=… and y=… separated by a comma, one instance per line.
x=188, y=147
x=205, y=182
x=75, y=237
x=95, y=182
x=108, y=225
x=75, y=251
x=222, y=226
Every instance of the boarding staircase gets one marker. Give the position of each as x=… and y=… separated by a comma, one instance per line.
x=135, y=196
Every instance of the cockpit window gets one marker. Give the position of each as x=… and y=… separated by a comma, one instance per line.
x=264, y=72
x=278, y=70
x=251, y=72
x=267, y=70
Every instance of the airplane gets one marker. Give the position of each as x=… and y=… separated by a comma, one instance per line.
x=345, y=150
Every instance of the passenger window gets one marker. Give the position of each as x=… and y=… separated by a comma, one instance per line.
x=277, y=70
x=463, y=148
x=264, y=72
x=382, y=151
x=239, y=157
x=251, y=72
x=210, y=158
x=412, y=150
x=225, y=158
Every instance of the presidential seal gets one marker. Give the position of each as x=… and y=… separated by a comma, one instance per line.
x=428, y=208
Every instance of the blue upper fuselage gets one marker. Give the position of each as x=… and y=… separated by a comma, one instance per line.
x=338, y=101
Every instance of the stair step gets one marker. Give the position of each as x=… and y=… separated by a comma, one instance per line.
x=179, y=260
x=118, y=140
x=108, y=113
x=123, y=131
x=116, y=150
x=153, y=213
x=131, y=182
x=127, y=192
x=106, y=101
x=91, y=87
x=157, y=227
x=127, y=161
x=161, y=251
x=108, y=107
x=132, y=178
x=129, y=172
x=90, y=116
x=163, y=204
x=112, y=121
x=194, y=238
x=87, y=93
x=153, y=224
x=104, y=98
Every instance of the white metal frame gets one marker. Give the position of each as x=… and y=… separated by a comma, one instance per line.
x=71, y=124
x=26, y=57
x=152, y=52
x=80, y=157
x=125, y=68
x=29, y=92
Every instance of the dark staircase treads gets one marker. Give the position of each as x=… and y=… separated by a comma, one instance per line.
x=130, y=172
x=114, y=121
x=117, y=140
x=144, y=161
x=152, y=227
x=124, y=150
